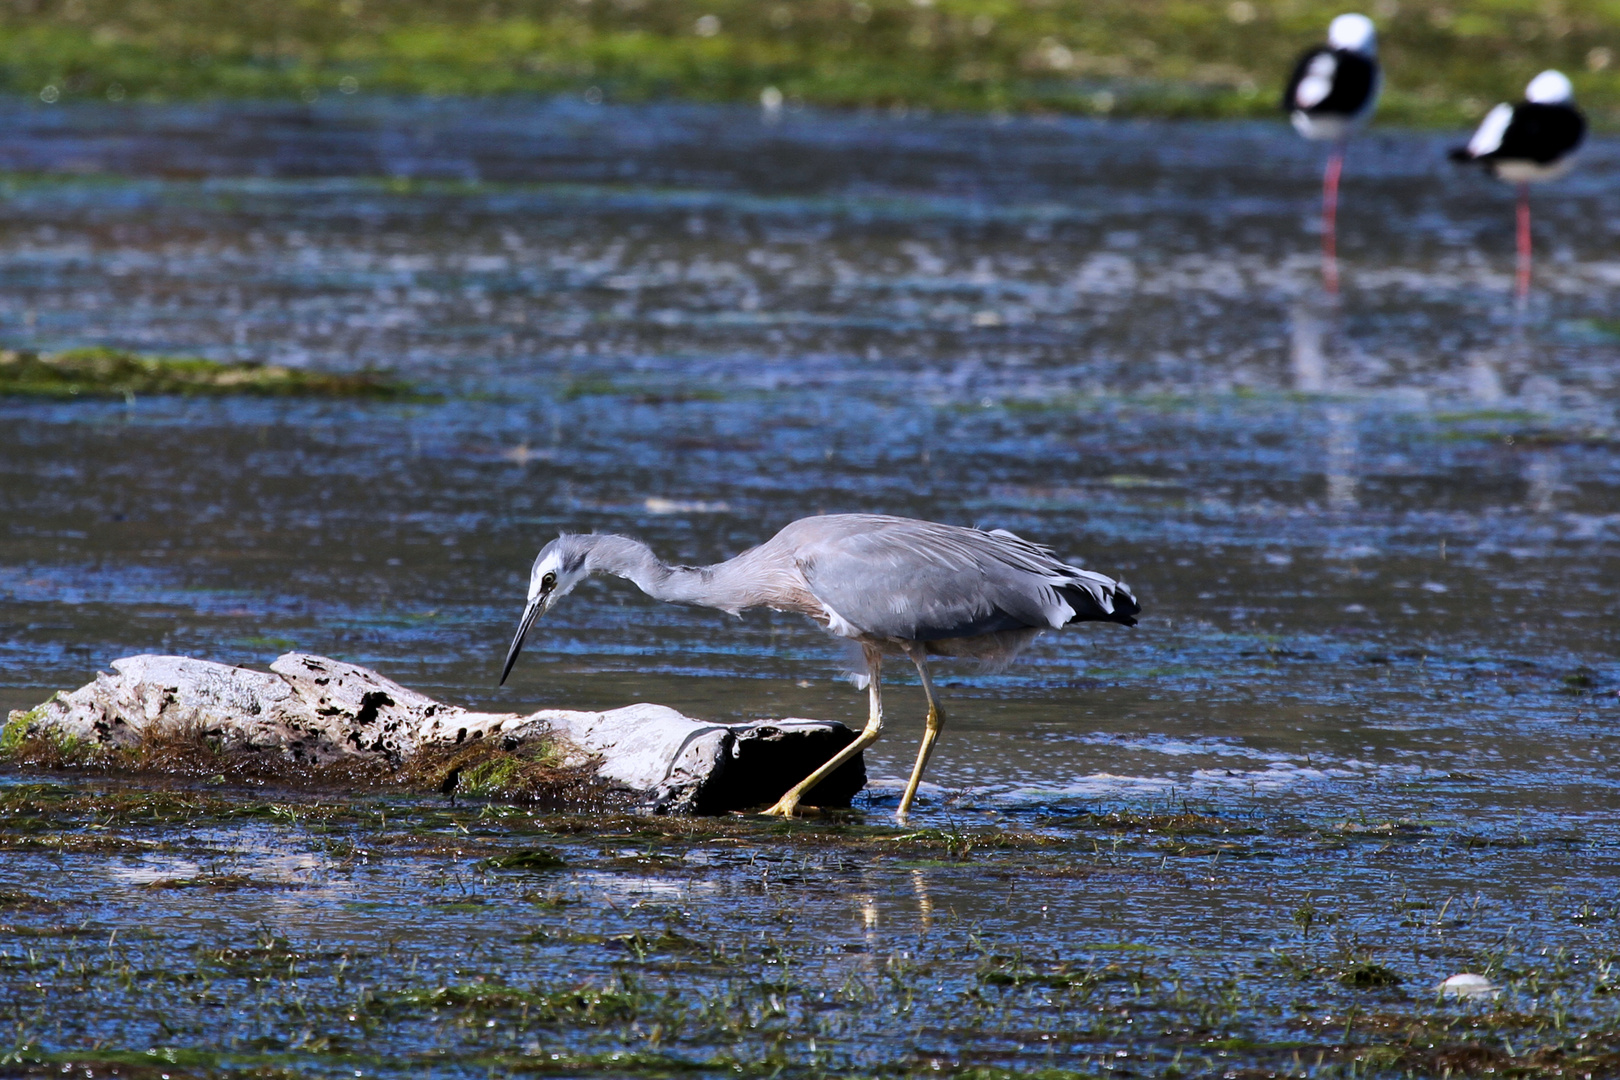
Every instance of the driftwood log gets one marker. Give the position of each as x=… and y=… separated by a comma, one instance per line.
x=317, y=711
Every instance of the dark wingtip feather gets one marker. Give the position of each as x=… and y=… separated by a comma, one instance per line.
x=1087, y=609
x=1125, y=607
x=1460, y=154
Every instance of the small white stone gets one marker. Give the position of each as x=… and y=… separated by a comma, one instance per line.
x=1468, y=987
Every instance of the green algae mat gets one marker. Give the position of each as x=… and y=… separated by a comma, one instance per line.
x=103, y=372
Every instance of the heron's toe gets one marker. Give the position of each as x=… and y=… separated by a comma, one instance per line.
x=784, y=808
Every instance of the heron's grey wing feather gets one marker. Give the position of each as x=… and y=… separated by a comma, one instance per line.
x=921, y=581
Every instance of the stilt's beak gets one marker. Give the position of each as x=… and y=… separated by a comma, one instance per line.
x=530, y=613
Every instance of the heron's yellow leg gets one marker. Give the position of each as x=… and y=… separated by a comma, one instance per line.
x=787, y=804
x=936, y=720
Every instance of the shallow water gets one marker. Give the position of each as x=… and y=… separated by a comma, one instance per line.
x=295, y=938
x=1368, y=545
x=1374, y=544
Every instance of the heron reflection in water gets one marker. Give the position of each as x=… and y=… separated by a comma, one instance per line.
x=896, y=586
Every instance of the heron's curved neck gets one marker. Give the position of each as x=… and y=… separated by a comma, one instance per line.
x=628, y=558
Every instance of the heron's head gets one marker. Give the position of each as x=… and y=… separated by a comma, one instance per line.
x=560, y=566
x=1353, y=33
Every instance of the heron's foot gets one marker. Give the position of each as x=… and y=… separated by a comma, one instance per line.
x=784, y=808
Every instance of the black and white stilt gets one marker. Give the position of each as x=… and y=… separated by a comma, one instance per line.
x=1333, y=89
x=1528, y=143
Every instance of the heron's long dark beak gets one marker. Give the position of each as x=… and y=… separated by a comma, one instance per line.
x=530, y=613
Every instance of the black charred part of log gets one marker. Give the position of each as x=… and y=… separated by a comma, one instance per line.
x=762, y=761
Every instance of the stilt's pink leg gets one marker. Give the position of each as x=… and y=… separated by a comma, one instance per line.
x=1330, y=219
x=1523, y=284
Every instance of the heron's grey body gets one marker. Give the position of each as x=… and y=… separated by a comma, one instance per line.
x=895, y=585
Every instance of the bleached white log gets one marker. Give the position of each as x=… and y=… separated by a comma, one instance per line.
x=317, y=710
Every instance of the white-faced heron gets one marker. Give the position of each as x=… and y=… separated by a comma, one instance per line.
x=895, y=585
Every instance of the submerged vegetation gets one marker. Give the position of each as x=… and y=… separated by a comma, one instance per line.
x=390, y=937
x=1447, y=62
x=104, y=372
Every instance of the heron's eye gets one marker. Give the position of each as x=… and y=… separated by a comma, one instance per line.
x=548, y=582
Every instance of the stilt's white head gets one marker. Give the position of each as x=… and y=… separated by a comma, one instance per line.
x=1550, y=88
x=1353, y=33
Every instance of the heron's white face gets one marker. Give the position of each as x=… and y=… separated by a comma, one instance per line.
x=558, y=568
x=550, y=580
x=1353, y=33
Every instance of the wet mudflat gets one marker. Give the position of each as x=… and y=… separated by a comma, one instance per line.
x=1363, y=734
x=192, y=934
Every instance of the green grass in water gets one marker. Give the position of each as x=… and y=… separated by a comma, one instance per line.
x=104, y=372
x=1447, y=60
